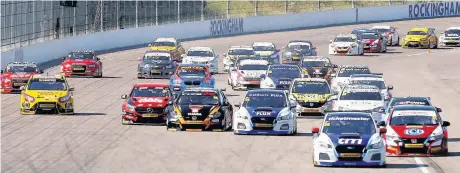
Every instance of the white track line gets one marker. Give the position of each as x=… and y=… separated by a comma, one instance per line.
x=421, y=165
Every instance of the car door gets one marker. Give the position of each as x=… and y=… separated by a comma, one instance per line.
x=227, y=107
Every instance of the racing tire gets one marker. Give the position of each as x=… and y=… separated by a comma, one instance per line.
x=445, y=153
x=382, y=166
x=391, y=41
x=436, y=45
x=384, y=50
x=397, y=43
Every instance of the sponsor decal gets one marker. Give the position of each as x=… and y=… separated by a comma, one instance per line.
x=194, y=113
x=350, y=154
x=413, y=145
x=226, y=26
x=195, y=108
x=434, y=9
x=155, y=100
x=285, y=82
x=413, y=132
x=263, y=113
x=350, y=141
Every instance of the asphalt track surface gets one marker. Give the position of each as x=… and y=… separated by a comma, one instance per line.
x=94, y=140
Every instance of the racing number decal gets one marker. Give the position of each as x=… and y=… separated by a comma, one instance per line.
x=350, y=141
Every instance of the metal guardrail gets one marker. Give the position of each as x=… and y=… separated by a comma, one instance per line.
x=28, y=22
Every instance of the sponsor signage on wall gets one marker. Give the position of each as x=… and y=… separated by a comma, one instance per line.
x=226, y=26
x=434, y=9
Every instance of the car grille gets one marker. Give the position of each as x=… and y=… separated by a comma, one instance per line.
x=198, y=118
x=192, y=82
x=311, y=104
x=452, y=38
x=342, y=47
x=17, y=83
x=146, y=111
x=350, y=149
x=83, y=68
x=251, y=78
x=262, y=120
x=46, y=105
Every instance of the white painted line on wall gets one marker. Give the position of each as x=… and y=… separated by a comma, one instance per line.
x=421, y=165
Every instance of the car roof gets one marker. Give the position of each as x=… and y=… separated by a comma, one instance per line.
x=166, y=39
x=194, y=65
x=42, y=76
x=411, y=98
x=200, y=49
x=354, y=36
x=309, y=79
x=419, y=29
x=241, y=47
x=381, y=27
x=150, y=85
x=315, y=58
x=283, y=65
x=266, y=91
x=253, y=61
x=414, y=107
x=82, y=51
x=263, y=44
x=201, y=89
x=22, y=64
x=454, y=28
x=304, y=41
x=365, y=76
x=158, y=53
x=354, y=66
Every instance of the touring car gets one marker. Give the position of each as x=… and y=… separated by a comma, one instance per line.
x=376, y=80
x=246, y=75
x=202, y=55
x=416, y=130
x=317, y=66
x=169, y=44
x=341, y=77
x=373, y=42
x=81, y=63
x=191, y=76
x=267, y=51
x=404, y=101
x=46, y=94
x=156, y=64
x=235, y=52
x=450, y=37
x=296, y=49
x=348, y=139
x=346, y=44
x=359, y=97
x=280, y=76
x=390, y=33
x=198, y=109
x=265, y=112
x=146, y=103
x=16, y=74
x=421, y=38
x=310, y=94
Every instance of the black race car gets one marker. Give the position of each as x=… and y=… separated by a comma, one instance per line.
x=156, y=64
x=296, y=49
x=317, y=67
x=198, y=109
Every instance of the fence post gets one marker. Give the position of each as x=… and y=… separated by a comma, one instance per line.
x=137, y=14
x=34, y=8
x=118, y=15
x=102, y=15
x=389, y=2
x=12, y=39
x=61, y=24
x=74, y=29
x=319, y=5
x=178, y=11
x=86, y=17
x=352, y=3
x=202, y=10
x=228, y=9
x=285, y=6
x=256, y=7
x=156, y=12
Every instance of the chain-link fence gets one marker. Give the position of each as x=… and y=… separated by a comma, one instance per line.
x=28, y=22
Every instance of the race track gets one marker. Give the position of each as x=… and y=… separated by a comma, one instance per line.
x=95, y=141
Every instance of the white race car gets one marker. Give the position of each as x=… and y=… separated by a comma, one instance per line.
x=390, y=33
x=234, y=52
x=202, y=55
x=265, y=112
x=450, y=37
x=358, y=98
x=246, y=75
x=346, y=44
x=371, y=79
x=349, y=139
x=341, y=78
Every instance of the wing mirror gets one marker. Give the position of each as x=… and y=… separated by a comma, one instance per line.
x=150, y=45
x=22, y=88
x=390, y=87
x=72, y=89
x=330, y=41
x=223, y=89
x=438, y=109
x=335, y=66
x=170, y=102
x=237, y=105
x=445, y=123
x=262, y=76
x=383, y=130
x=315, y=130
x=381, y=123
x=124, y=96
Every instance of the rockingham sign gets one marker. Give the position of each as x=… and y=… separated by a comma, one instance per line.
x=226, y=26
x=434, y=9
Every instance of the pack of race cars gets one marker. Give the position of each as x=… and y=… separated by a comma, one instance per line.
x=363, y=122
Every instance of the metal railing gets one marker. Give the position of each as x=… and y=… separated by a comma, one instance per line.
x=28, y=22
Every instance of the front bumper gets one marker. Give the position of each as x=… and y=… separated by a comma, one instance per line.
x=28, y=108
x=343, y=52
x=246, y=85
x=207, y=124
x=399, y=148
x=246, y=126
x=317, y=109
x=416, y=44
x=450, y=42
x=155, y=73
x=330, y=157
x=371, y=49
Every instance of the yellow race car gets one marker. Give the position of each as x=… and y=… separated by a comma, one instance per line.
x=46, y=94
x=311, y=94
x=420, y=38
x=169, y=44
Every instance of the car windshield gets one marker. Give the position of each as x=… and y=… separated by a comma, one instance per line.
x=453, y=31
x=157, y=57
x=369, y=36
x=416, y=33
x=150, y=92
x=253, y=67
x=344, y=39
x=263, y=48
x=47, y=84
x=381, y=30
x=299, y=46
x=360, y=95
x=311, y=87
x=284, y=72
x=347, y=72
x=78, y=55
x=200, y=53
x=16, y=69
x=192, y=71
x=315, y=63
x=241, y=52
x=164, y=43
x=198, y=98
x=265, y=99
x=402, y=119
x=379, y=84
x=342, y=124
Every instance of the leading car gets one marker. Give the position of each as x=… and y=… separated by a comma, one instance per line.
x=191, y=76
x=348, y=139
x=265, y=112
x=346, y=44
x=169, y=44
x=81, y=63
x=420, y=38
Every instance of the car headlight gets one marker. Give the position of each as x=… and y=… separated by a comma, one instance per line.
x=28, y=98
x=284, y=116
x=393, y=138
x=67, y=65
x=169, y=66
x=177, y=81
x=324, y=145
x=91, y=65
x=436, y=137
x=146, y=65
x=6, y=80
x=423, y=39
x=65, y=98
x=130, y=107
x=216, y=115
x=376, y=145
x=244, y=117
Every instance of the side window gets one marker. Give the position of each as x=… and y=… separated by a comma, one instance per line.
x=223, y=98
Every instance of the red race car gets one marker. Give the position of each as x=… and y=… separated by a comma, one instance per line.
x=81, y=63
x=373, y=42
x=17, y=74
x=415, y=130
x=147, y=103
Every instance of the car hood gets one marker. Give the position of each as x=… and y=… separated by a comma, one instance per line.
x=305, y=97
x=197, y=110
x=282, y=81
x=265, y=53
x=18, y=75
x=149, y=101
x=349, y=139
x=415, y=37
x=263, y=112
x=167, y=48
x=45, y=94
x=199, y=58
x=359, y=104
x=342, y=44
x=188, y=78
x=368, y=41
x=252, y=73
x=414, y=131
x=317, y=70
x=78, y=61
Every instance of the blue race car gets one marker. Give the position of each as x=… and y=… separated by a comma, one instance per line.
x=348, y=139
x=267, y=51
x=265, y=112
x=191, y=76
x=280, y=76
